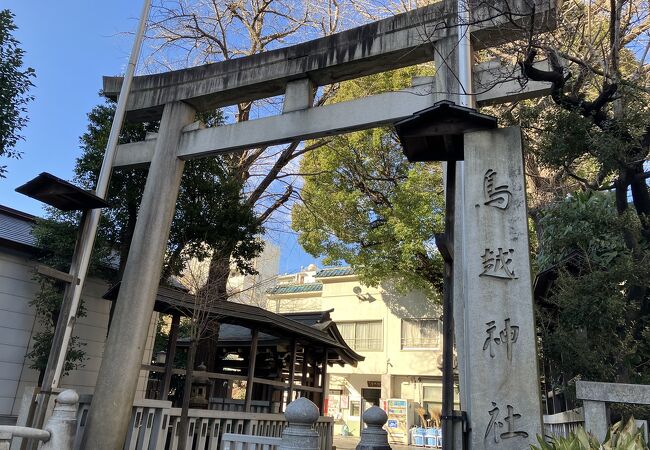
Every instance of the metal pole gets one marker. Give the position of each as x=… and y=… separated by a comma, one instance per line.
x=464, y=55
x=446, y=249
x=455, y=217
x=90, y=225
x=85, y=241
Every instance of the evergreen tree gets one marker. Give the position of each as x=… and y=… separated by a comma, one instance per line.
x=210, y=216
x=15, y=83
x=588, y=324
x=364, y=204
x=594, y=130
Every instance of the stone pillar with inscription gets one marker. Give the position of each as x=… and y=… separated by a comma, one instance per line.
x=499, y=325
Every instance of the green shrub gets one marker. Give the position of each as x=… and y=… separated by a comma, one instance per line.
x=624, y=437
x=578, y=440
x=619, y=437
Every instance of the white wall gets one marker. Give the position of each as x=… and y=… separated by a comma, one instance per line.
x=251, y=289
x=18, y=325
x=16, y=322
x=402, y=373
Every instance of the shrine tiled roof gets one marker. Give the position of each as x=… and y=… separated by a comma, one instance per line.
x=311, y=328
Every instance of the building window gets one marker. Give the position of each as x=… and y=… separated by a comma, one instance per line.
x=355, y=407
x=420, y=334
x=363, y=336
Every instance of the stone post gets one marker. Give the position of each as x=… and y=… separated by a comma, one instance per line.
x=62, y=425
x=301, y=414
x=5, y=441
x=110, y=411
x=59, y=432
x=596, y=418
x=374, y=437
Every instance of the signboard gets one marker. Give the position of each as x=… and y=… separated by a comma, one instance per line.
x=345, y=401
x=333, y=402
x=398, y=420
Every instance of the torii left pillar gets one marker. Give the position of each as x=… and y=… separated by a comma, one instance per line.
x=112, y=402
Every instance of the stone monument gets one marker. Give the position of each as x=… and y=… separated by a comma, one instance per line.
x=503, y=397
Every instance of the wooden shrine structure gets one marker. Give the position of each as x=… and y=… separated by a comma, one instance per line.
x=279, y=356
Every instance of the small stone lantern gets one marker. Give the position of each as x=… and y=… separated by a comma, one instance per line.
x=199, y=391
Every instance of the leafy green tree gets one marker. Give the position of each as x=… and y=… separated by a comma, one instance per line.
x=55, y=237
x=591, y=135
x=15, y=83
x=211, y=217
x=364, y=204
x=589, y=326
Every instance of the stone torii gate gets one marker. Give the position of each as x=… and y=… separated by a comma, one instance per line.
x=407, y=39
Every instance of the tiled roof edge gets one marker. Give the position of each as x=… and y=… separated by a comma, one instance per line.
x=295, y=288
x=335, y=272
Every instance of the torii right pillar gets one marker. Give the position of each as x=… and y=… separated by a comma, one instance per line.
x=495, y=325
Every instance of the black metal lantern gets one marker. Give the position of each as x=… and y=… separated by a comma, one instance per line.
x=59, y=193
x=436, y=133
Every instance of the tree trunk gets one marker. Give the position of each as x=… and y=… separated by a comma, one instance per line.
x=217, y=284
x=187, y=394
x=207, y=349
x=218, y=275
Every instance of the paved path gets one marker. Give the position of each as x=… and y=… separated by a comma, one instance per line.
x=350, y=443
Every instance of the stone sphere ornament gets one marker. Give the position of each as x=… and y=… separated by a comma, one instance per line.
x=302, y=415
x=374, y=437
x=302, y=411
x=375, y=416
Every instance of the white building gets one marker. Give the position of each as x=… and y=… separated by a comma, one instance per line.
x=251, y=289
x=399, y=336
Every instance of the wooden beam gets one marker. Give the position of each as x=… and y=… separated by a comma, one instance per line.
x=277, y=383
x=305, y=367
x=323, y=381
x=171, y=354
x=65, y=321
x=307, y=388
x=251, y=371
x=56, y=274
x=292, y=369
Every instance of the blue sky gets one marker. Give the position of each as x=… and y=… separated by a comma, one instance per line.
x=71, y=44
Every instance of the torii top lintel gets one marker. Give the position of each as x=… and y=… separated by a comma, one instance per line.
x=398, y=41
